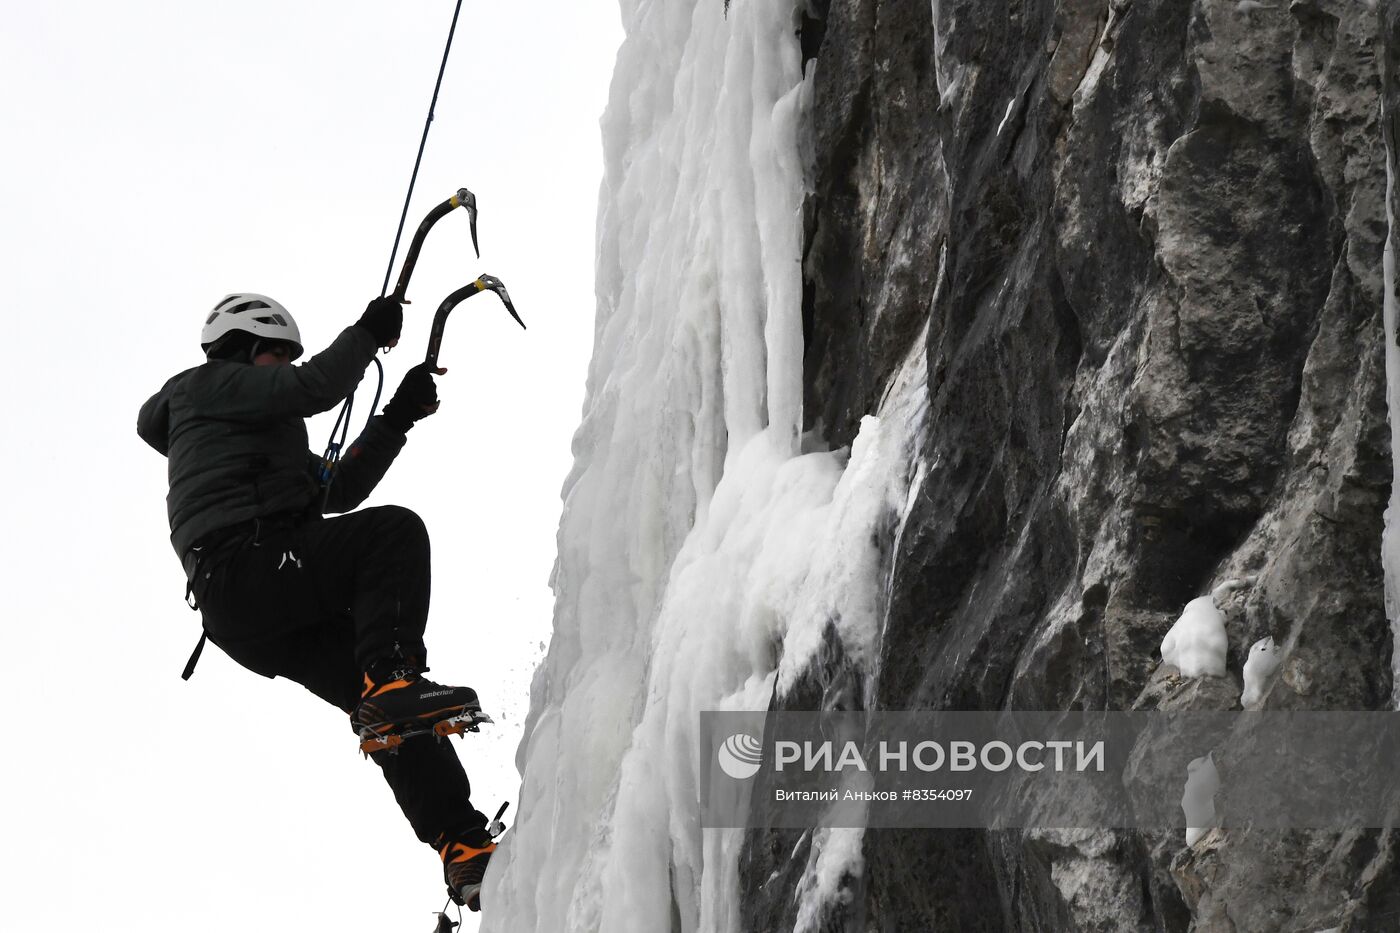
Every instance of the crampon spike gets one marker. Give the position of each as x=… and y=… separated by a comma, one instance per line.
x=380, y=743
x=469, y=721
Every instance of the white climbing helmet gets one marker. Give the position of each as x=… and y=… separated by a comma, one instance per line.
x=252, y=314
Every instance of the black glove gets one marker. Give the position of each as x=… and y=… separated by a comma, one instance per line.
x=383, y=318
x=415, y=399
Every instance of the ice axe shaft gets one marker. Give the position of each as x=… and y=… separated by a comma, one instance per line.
x=463, y=198
x=482, y=284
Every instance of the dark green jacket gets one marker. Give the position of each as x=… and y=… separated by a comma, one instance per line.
x=236, y=443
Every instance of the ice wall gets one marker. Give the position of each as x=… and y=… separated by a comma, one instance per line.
x=696, y=373
x=706, y=547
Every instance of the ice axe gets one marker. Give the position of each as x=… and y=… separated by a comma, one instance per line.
x=463, y=198
x=482, y=284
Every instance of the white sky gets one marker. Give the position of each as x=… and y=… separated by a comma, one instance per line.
x=154, y=157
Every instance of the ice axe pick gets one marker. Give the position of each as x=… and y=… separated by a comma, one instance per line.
x=463, y=198
x=482, y=284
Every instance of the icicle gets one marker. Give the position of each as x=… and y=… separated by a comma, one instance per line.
x=1390, y=537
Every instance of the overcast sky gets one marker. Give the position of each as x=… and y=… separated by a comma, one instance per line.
x=155, y=157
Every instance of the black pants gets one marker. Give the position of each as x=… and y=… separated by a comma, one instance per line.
x=318, y=603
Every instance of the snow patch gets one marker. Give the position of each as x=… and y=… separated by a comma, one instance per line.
x=1010, y=106
x=1264, y=659
x=1196, y=643
x=836, y=856
x=1198, y=798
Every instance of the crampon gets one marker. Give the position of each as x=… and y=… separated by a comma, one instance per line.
x=468, y=720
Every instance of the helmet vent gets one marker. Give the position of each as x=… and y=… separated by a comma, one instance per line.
x=254, y=305
x=272, y=319
x=210, y=320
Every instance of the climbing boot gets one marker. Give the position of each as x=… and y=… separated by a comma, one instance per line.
x=406, y=701
x=464, y=865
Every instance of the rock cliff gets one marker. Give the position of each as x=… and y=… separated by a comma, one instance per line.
x=1141, y=245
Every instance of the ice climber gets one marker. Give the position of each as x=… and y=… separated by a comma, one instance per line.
x=336, y=604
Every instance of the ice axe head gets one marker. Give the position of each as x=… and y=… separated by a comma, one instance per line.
x=468, y=200
x=490, y=282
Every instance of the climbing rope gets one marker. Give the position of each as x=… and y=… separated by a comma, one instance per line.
x=413, y=179
x=331, y=456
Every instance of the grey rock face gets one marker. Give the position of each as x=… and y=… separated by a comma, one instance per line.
x=1146, y=238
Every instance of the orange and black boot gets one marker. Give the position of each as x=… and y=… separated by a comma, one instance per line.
x=407, y=700
x=464, y=865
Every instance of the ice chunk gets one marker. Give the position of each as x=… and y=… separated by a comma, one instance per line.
x=1264, y=659
x=1198, y=799
x=1196, y=644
